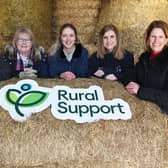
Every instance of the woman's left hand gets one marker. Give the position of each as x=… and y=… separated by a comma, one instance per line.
x=111, y=77
x=132, y=88
x=99, y=73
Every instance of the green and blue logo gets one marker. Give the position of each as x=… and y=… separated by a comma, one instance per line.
x=24, y=98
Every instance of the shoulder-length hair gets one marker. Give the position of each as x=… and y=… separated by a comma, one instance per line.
x=117, y=51
x=58, y=43
x=154, y=24
x=20, y=31
x=35, y=56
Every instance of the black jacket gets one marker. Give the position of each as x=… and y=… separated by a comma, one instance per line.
x=78, y=65
x=110, y=65
x=152, y=76
x=10, y=57
x=5, y=69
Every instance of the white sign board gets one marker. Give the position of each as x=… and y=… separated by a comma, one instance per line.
x=79, y=104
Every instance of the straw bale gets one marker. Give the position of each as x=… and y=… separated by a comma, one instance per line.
x=34, y=14
x=83, y=14
x=91, y=48
x=45, y=142
x=75, y=20
x=132, y=17
x=82, y=28
x=64, y=4
x=78, y=12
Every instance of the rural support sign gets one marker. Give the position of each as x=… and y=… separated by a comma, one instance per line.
x=79, y=104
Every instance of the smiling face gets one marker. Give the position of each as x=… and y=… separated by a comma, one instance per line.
x=157, y=40
x=68, y=38
x=24, y=43
x=109, y=40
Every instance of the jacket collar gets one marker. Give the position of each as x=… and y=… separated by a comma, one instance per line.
x=162, y=58
x=10, y=52
x=77, y=52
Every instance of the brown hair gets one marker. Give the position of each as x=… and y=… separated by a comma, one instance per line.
x=118, y=51
x=154, y=24
x=58, y=44
x=71, y=26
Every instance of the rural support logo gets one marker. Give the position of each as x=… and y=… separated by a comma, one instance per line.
x=87, y=105
x=79, y=104
x=24, y=98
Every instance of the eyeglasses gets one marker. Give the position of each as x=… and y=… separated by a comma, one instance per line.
x=22, y=40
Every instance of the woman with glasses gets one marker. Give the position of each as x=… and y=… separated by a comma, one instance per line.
x=68, y=58
x=25, y=58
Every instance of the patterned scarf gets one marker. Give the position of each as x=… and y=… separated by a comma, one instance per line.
x=23, y=62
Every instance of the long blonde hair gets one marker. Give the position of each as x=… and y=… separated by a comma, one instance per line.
x=12, y=49
x=26, y=31
x=117, y=51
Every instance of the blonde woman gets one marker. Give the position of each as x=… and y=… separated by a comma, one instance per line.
x=25, y=58
x=110, y=61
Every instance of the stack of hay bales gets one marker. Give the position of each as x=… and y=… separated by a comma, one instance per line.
x=132, y=18
x=45, y=142
x=45, y=17
x=34, y=14
x=83, y=14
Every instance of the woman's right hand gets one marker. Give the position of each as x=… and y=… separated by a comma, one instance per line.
x=99, y=73
x=67, y=75
x=132, y=88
